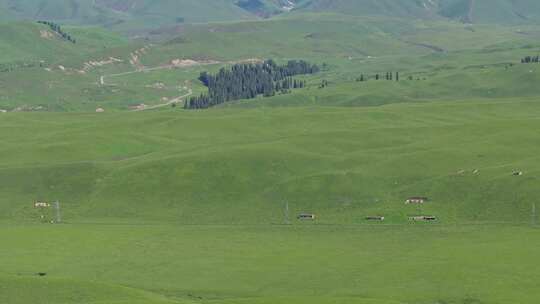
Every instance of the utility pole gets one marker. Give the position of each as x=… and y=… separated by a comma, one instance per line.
x=534, y=217
x=287, y=221
x=57, y=209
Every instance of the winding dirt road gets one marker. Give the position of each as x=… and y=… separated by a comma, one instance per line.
x=174, y=65
x=170, y=102
x=175, y=100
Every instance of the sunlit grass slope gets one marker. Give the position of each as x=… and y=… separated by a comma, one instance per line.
x=128, y=15
x=189, y=207
x=451, y=57
x=241, y=166
x=26, y=42
x=163, y=264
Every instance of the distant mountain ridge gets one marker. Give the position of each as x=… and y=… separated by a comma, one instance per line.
x=144, y=14
x=267, y=8
x=467, y=11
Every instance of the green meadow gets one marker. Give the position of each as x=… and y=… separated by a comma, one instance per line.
x=174, y=206
x=166, y=264
x=442, y=58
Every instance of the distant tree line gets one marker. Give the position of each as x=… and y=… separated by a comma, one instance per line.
x=324, y=84
x=390, y=76
x=247, y=81
x=530, y=59
x=58, y=29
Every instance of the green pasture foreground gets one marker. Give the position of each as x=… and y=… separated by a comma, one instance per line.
x=241, y=166
x=159, y=264
x=175, y=206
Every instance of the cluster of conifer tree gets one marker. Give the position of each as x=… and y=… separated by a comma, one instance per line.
x=324, y=84
x=58, y=29
x=247, y=81
x=530, y=59
x=388, y=76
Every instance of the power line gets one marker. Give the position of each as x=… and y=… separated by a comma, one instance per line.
x=533, y=215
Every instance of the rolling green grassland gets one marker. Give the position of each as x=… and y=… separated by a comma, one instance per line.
x=187, y=207
x=24, y=42
x=448, y=57
x=162, y=264
x=171, y=206
x=239, y=166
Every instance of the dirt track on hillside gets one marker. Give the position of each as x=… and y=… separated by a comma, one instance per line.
x=170, y=102
x=174, y=64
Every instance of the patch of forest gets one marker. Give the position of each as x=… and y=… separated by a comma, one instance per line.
x=247, y=81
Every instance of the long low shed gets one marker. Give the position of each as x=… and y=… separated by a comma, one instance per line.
x=423, y=218
x=374, y=218
x=306, y=216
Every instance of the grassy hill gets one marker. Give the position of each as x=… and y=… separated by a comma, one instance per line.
x=170, y=206
x=469, y=11
x=32, y=42
x=446, y=56
x=130, y=14
x=351, y=163
x=188, y=207
x=137, y=16
x=489, y=11
x=395, y=8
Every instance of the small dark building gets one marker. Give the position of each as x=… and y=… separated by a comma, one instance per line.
x=306, y=216
x=423, y=218
x=375, y=218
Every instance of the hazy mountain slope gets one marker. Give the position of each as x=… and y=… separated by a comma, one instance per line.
x=491, y=11
x=402, y=8
x=149, y=13
x=267, y=8
x=475, y=11
x=170, y=10
x=130, y=15
x=81, y=11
